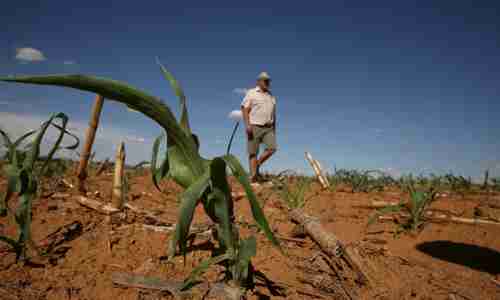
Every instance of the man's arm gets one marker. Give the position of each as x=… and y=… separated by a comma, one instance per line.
x=274, y=118
x=245, y=111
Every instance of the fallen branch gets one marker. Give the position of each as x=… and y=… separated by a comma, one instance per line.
x=443, y=217
x=202, y=230
x=218, y=290
x=325, y=284
x=102, y=208
x=434, y=216
x=151, y=283
x=148, y=214
x=331, y=245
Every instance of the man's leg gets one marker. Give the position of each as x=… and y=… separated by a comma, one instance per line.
x=253, y=167
x=253, y=147
x=265, y=156
x=269, y=139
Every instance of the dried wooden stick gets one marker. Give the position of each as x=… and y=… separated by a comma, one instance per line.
x=435, y=216
x=118, y=195
x=96, y=205
x=330, y=244
x=317, y=170
x=81, y=172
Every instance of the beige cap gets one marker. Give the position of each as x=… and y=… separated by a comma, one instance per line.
x=264, y=76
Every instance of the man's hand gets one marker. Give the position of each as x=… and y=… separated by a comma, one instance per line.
x=250, y=132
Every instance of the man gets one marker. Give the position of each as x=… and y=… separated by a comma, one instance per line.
x=259, y=113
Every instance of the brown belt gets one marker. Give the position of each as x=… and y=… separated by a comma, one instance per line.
x=264, y=126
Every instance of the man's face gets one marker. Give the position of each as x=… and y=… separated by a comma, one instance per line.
x=264, y=83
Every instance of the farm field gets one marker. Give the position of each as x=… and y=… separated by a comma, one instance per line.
x=84, y=251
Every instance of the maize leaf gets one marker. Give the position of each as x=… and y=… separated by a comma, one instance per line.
x=259, y=217
x=189, y=200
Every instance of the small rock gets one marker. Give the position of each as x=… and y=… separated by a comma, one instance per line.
x=52, y=207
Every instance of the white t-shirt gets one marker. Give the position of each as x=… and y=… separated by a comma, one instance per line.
x=262, y=106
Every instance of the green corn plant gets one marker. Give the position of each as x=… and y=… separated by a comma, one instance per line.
x=363, y=181
x=293, y=192
x=495, y=182
x=458, y=184
x=23, y=175
x=333, y=181
x=415, y=207
x=204, y=180
x=486, y=180
x=437, y=182
x=387, y=180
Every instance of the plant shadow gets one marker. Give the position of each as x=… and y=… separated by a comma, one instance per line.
x=472, y=256
x=273, y=288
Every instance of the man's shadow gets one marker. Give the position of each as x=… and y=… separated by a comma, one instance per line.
x=475, y=257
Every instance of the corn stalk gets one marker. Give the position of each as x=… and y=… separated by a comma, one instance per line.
x=204, y=181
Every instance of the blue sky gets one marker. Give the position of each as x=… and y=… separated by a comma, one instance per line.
x=394, y=85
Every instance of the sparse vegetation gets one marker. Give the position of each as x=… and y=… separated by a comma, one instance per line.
x=23, y=174
x=415, y=207
x=458, y=184
x=360, y=181
x=204, y=180
x=495, y=182
x=293, y=190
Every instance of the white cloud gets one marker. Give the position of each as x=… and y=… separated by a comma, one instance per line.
x=240, y=91
x=69, y=62
x=236, y=115
x=28, y=54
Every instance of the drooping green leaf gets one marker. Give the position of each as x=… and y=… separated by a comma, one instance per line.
x=70, y=146
x=223, y=205
x=180, y=94
x=34, y=152
x=201, y=268
x=23, y=137
x=158, y=174
x=56, y=146
x=135, y=99
x=14, y=185
x=23, y=218
x=6, y=139
x=247, y=250
x=259, y=217
x=189, y=199
x=228, y=151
